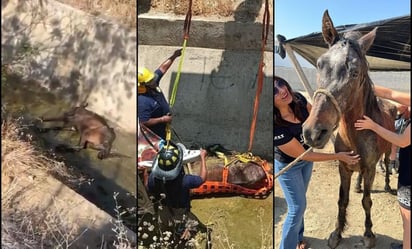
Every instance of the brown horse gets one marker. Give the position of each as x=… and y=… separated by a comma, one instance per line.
x=93, y=129
x=345, y=94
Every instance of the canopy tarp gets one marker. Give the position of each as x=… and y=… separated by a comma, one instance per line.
x=391, y=50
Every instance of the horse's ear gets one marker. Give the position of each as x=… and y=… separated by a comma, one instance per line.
x=366, y=41
x=330, y=35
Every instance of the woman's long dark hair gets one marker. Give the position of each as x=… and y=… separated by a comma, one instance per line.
x=295, y=105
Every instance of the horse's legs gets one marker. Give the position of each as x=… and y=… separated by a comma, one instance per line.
x=55, y=128
x=53, y=119
x=369, y=237
x=345, y=179
x=358, y=186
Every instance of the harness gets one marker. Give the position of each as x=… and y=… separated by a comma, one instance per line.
x=225, y=187
x=333, y=99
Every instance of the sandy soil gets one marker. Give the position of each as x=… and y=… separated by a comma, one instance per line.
x=322, y=210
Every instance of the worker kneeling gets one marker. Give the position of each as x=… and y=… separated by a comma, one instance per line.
x=170, y=187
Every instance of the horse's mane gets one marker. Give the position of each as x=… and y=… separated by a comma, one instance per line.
x=370, y=105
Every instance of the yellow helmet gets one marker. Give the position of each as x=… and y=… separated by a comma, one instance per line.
x=144, y=75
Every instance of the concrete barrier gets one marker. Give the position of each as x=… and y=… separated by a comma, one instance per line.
x=204, y=33
x=217, y=87
x=82, y=57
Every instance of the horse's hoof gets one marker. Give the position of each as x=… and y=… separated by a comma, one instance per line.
x=358, y=190
x=369, y=241
x=334, y=239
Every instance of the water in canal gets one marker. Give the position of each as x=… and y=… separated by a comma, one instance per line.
x=116, y=174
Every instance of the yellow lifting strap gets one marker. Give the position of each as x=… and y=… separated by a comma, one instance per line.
x=186, y=29
x=176, y=82
x=244, y=158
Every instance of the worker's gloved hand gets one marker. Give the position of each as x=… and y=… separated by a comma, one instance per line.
x=177, y=53
x=203, y=153
x=167, y=118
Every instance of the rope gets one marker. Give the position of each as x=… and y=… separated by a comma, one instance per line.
x=327, y=93
x=265, y=31
x=335, y=103
x=293, y=162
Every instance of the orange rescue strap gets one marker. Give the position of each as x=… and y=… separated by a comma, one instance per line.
x=265, y=31
x=224, y=187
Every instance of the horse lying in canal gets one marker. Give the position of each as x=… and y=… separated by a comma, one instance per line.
x=93, y=129
x=344, y=95
x=232, y=173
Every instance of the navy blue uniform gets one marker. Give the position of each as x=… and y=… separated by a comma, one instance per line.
x=177, y=191
x=153, y=104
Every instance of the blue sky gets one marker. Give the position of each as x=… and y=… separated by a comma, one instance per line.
x=295, y=18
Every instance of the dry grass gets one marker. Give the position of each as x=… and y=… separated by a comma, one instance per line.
x=18, y=156
x=199, y=7
x=124, y=11
x=19, y=159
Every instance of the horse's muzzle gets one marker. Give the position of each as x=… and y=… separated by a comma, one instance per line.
x=317, y=137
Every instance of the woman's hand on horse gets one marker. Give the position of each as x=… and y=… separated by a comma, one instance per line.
x=348, y=157
x=365, y=124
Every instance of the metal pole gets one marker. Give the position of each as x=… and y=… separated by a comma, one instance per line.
x=299, y=70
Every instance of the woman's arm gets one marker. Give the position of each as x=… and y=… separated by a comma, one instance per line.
x=401, y=140
x=387, y=93
x=294, y=149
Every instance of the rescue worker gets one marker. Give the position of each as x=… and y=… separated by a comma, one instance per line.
x=153, y=108
x=170, y=187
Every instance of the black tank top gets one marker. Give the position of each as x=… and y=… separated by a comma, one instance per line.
x=283, y=134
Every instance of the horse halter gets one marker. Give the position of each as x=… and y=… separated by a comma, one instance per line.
x=332, y=98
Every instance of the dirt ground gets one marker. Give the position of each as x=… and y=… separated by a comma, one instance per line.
x=322, y=210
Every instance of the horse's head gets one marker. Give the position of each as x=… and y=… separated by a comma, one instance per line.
x=341, y=71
